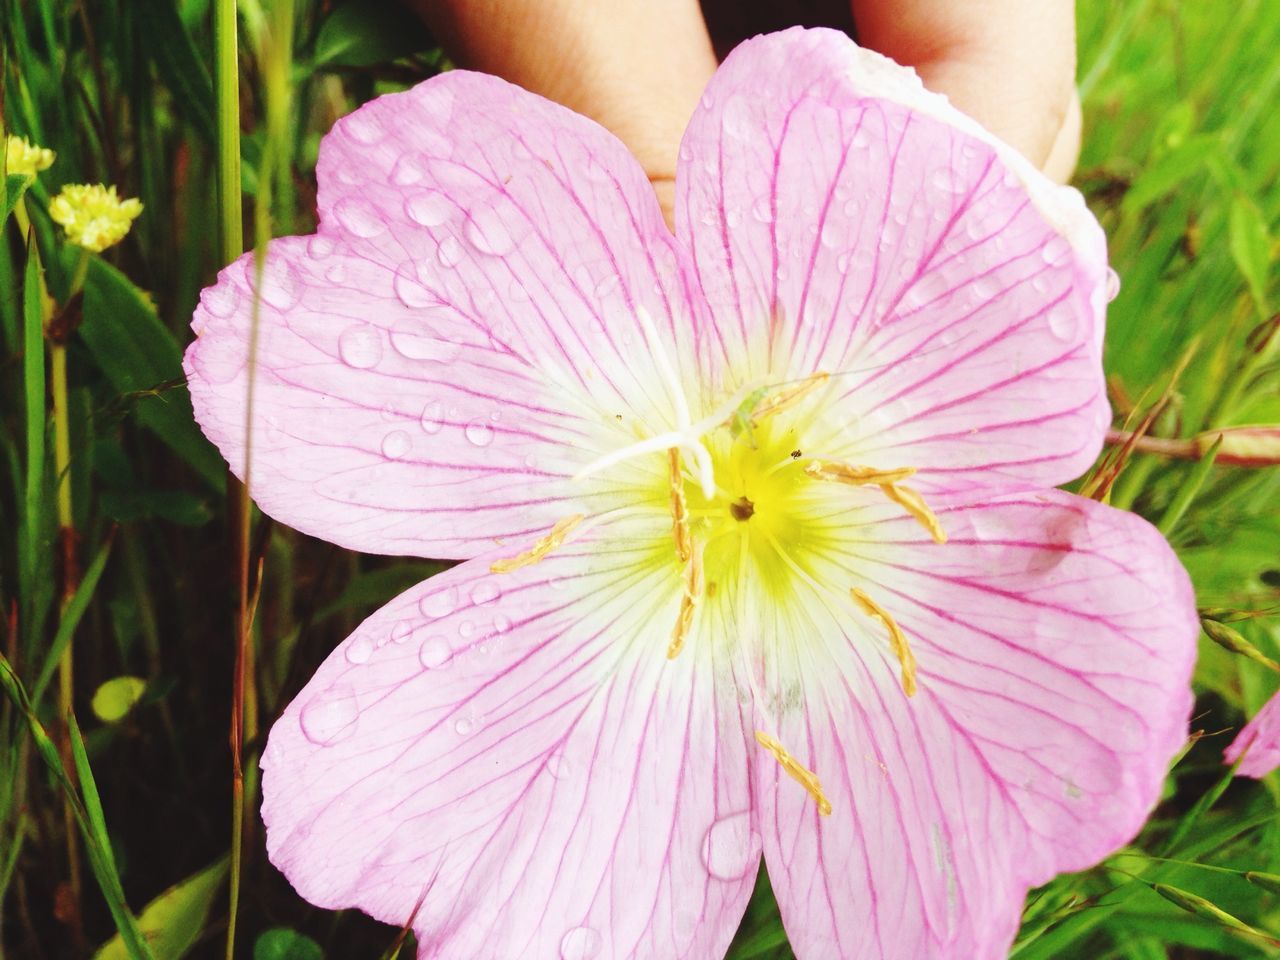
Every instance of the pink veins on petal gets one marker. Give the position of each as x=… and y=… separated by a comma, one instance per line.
x=760, y=551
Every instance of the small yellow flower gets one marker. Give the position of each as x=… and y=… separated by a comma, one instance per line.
x=24, y=157
x=93, y=216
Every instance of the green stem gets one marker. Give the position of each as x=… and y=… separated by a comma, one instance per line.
x=1190, y=487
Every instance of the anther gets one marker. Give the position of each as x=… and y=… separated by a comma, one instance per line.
x=806, y=778
x=911, y=501
x=540, y=549
x=780, y=400
x=679, y=508
x=890, y=484
x=897, y=639
x=689, y=599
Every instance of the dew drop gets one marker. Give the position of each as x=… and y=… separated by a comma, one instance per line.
x=479, y=433
x=359, y=649
x=439, y=604
x=1055, y=251
x=434, y=653
x=428, y=209
x=463, y=726
x=1113, y=284
x=360, y=346
x=411, y=341
x=487, y=231
x=731, y=847
x=486, y=591
x=409, y=169
x=362, y=126
x=842, y=262
x=501, y=624
x=432, y=419
x=359, y=217
x=396, y=444
x=281, y=287
x=330, y=717
x=762, y=210
x=320, y=247
x=583, y=943
x=409, y=288
x=222, y=300
x=1063, y=322
x=449, y=253
x=558, y=766
x=736, y=117
x=861, y=139
x=945, y=180
x=402, y=631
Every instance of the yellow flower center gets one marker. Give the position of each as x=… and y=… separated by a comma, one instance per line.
x=93, y=216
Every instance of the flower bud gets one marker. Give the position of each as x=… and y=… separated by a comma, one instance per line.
x=22, y=157
x=1248, y=446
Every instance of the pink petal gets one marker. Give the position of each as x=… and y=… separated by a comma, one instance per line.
x=844, y=220
x=378, y=426
x=1055, y=640
x=1258, y=742
x=520, y=749
x=533, y=220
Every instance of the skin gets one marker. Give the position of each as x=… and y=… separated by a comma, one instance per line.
x=638, y=67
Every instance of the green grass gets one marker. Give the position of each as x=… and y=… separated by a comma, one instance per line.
x=1180, y=162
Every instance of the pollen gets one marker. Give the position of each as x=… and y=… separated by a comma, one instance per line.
x=890, y=484
x=551, y=541
x=679, y=508
x=93, y=216
x=805, y=777
x=897, y=639
x=24, y=158
x=689, y=600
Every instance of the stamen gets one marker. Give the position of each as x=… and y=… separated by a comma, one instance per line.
x=679, y=508
x=889, y=482
x=897, y=639
x=540, y=549
x=787, y=397
x=911, y=501
x=693, y=588
x=855, y=476
x=806, y=778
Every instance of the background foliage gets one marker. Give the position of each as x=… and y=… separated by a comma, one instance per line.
x=1180, y=162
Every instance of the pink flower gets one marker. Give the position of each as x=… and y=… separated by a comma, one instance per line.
x=701, y=485
x=1258, y=742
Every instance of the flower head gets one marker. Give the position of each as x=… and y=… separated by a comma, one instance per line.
x=93, y=216
x=24, y=157
x=1259, y=742
x=761, y=555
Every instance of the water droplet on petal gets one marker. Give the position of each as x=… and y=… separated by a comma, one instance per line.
x=330, y=716
x=360, y=346
x=359, y=649
x=583, y=943
x=402, y=631
x=439, y=604
x=486, y=591
x=762, y=210
x=501, y=624
x=449, y=253
x=411, y=340
x=281, y=287
x=731, y=847
x=362, y=126
x=396, y=444
x=842, y=262
x=359, y=217
x=432, y=419
x=487, y=231
x=434, y=653
x=1113, y=284
x=463, y=726
x=946, y=181
x=479, y=433
x=409, y=169
x=1063, y=322
x=1056, y=250
x=558, y=766
x=222, y=300
x=736, y=117
x=429, y=208
x=409, y=288
x=320, y=247
x=861, y=139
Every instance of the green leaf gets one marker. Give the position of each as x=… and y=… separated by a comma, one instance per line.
x=1251, y=248
x=33, y=385
x=1162, y=176
x=71, y=619
x=173, y=921
x=176, y=506
x=281, y=943
x=15, y=185
x=178, y=62
x=362, y=34
x=113, y=700
x=140, y=357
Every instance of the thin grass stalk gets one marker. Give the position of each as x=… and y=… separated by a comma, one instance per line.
x=230, y=246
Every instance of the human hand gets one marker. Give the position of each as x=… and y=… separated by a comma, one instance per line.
x=638, y=67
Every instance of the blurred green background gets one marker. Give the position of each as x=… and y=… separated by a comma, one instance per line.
x=1181, y=155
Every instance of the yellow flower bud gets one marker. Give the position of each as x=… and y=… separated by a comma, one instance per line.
x=93, y=216
x=21, y=156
